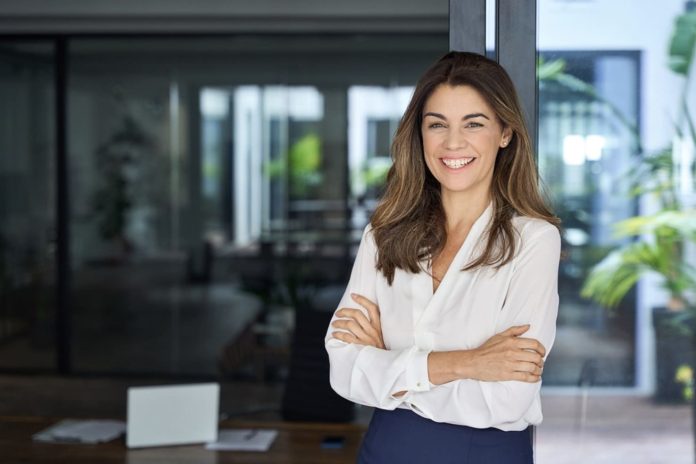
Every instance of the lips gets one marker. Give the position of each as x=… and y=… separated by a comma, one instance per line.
x=456, y=163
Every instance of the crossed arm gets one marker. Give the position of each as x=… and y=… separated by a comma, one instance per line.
x=504, y=356
x=494, y=384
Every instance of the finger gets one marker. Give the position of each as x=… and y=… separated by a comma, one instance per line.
x=516, y=330
x=344, y=337
x=525, y=377
x=366, y=334
x=528, y=356
x=350, y=325
x=529, y=368
x=372, y=308
x=531, y=344
x=359, y=317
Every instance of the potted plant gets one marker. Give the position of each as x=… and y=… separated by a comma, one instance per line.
x=655, y=243
x=120, y=162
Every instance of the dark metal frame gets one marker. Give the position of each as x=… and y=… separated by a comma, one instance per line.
x=516, y=51
x=515, y=45
x=63, y=313
x=467, y=26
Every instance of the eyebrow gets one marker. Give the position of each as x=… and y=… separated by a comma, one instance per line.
x=468, y=116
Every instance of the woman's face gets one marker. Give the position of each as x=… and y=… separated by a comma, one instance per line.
x=461, y=138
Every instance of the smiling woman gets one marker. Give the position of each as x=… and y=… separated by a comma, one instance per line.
x=461, y=139
x=451, y=307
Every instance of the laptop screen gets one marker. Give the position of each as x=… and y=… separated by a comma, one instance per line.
x=172, y=415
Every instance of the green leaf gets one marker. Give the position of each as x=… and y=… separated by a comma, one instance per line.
x=671, y=225
x=611, y=278
x=550, y=70
x=681, y=46
x=305, y=155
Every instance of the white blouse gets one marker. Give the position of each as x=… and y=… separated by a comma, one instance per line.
x=467, y=309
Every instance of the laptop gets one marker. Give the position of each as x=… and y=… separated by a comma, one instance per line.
x=172, y=415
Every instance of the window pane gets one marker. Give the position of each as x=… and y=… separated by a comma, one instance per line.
x=584, y=153
x=210, y=191
x=615, y=143
x=374, y=114
x=27, y=205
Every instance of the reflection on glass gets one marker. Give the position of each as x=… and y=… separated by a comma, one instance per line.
x=608, y=103
x=27, y=206
x=278, y=168
x=373, y=115
x=211, y=189
x=142, y=264
x=584, y=150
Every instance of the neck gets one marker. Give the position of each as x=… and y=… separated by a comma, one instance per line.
x=462, y=210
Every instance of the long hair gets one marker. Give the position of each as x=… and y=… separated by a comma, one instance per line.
x=409, y=224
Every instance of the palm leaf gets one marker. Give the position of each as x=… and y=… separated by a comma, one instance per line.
x=681, y=46
x=618, y=272
x=670, y=225
x=547, y=70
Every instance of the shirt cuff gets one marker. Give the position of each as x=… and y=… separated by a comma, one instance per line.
x=416, y=374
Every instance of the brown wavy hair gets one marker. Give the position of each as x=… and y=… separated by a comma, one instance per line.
x=409, y=224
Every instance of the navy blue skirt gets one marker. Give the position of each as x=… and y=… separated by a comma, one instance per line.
x=402, y=436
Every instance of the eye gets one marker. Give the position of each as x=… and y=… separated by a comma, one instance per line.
x=435, y=125
x=474, y=124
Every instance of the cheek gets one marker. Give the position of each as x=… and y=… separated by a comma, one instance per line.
x=488, y=145
x=430, y=143
x=428, y=159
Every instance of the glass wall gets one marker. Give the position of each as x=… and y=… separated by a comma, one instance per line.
x=588, y=108
x=616, y=152
x=218, y=182
x=27, y=206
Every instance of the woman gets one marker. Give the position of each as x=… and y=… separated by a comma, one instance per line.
x=451, y=305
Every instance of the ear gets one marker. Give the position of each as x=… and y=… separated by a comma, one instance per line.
x=506, y=137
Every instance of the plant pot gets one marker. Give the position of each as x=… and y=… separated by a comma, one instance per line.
x=674, y=347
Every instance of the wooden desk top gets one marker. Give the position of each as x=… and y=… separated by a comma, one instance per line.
x=295, y=443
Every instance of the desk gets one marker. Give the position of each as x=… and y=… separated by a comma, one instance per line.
x=296, y=443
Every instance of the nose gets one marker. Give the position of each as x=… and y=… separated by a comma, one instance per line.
x=455, y=139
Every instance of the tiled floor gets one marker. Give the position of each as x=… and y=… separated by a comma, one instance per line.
x=616, y=429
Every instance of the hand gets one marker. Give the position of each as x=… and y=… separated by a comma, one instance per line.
x=507, y=356
x=361, y=330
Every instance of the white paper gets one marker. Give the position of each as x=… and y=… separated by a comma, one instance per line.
x=243, y=440
x=82, y=431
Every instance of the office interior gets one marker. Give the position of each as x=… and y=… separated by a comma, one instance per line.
x=183, y=188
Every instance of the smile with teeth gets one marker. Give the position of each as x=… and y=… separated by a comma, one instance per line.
x=457, y=163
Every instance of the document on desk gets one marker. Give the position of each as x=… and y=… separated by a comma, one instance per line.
x=243, y=440
x=81, y=431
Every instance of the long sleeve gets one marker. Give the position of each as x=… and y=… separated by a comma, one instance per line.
x=365, y=374
x=531, y=298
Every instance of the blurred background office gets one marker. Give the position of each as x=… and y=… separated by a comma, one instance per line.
x=183, y=186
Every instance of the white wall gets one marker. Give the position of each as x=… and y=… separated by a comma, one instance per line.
x=643, y=25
